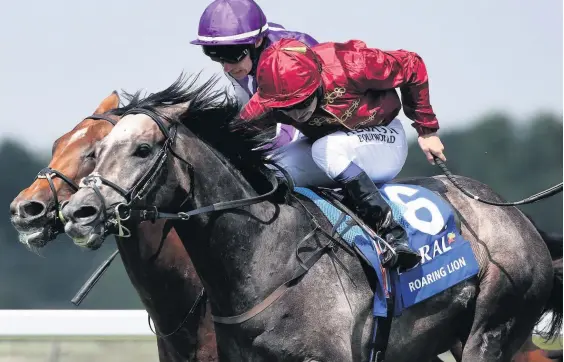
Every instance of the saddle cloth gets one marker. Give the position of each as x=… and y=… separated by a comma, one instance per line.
x=430, y=223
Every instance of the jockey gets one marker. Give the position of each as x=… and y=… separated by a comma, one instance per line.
x=342, y=97
x=234, y=33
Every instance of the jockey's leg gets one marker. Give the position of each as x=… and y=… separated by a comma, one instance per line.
x=358, y=159
x=295, y=159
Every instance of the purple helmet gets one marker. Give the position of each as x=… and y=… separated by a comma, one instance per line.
x=231, y=22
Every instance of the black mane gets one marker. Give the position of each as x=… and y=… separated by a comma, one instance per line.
x=212, y=116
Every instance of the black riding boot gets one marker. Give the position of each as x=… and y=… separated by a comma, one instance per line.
x=376, y=212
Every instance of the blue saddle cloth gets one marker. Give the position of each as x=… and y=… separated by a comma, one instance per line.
x=447, y=258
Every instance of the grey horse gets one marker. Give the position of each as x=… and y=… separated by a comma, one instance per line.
x=177, y=154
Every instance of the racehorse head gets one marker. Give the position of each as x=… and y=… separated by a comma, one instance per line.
x=35, y=211
x=147, y=160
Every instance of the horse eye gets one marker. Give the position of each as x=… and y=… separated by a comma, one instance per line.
x=91, y=154
x=143, y=151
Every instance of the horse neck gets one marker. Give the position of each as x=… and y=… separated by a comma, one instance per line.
x=164, y=277
x=234, y=250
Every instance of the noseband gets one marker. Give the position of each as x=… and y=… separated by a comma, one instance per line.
x=49, y=173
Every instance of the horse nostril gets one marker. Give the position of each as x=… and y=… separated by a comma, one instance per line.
x=13, y=209
x=31, y=209
x=85, y=212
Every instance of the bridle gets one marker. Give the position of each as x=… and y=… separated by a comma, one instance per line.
x=49, y=173
x=122, y=211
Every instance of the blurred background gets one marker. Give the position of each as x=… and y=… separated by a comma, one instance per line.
x=495, y=70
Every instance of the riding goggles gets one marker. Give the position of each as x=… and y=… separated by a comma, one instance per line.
x=230, y=54
x=305, y=103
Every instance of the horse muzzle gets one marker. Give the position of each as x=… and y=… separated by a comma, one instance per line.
x=35, y=222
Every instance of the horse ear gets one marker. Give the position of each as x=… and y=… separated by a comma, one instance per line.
x=109, y=103
x=177, y=110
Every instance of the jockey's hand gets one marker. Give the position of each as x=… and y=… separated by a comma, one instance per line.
x=431, y=145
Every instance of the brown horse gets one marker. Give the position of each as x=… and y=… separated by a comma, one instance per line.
x=159, y=267
x=35, y=213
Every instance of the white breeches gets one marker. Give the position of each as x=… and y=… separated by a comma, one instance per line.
x=380, y=151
